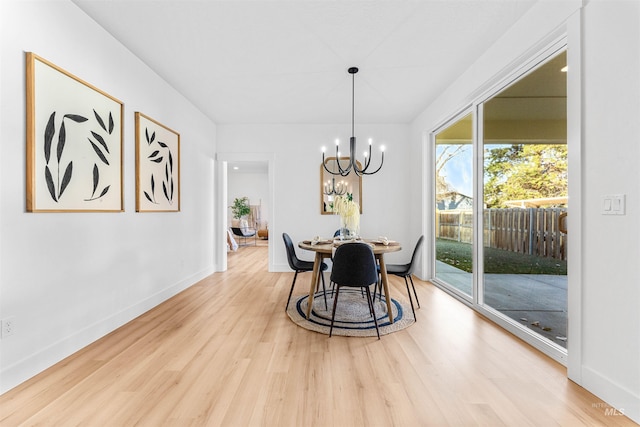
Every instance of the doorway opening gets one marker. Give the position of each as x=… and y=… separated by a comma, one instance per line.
x=250, y=176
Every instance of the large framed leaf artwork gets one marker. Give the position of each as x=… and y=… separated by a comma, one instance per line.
x=74, y=143
x=157, y=166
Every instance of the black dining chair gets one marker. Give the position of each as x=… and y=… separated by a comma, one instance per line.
x=244, y=234
x=405, y=271
x=300, y=266
x=354, y=265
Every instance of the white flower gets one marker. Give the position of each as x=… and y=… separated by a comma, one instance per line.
x=348, y=210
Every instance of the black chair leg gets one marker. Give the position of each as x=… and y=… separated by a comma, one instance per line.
x=324, y=291
x=291, y=291
x=406, y=282
x=414, y=291
x=369, y=300
x=333, y=314
x=379, y=285
x=375, y=319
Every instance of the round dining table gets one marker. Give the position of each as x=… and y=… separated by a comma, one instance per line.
x=324, y=249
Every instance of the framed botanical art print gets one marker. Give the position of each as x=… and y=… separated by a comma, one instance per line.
x=157, y=166
x=74, y=143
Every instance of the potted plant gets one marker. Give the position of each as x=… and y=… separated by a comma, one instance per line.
x=240, y=207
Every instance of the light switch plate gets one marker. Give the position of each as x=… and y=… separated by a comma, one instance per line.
x=613, y=204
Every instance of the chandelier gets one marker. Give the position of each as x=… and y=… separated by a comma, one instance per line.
x=353, y=164
x=331, y=187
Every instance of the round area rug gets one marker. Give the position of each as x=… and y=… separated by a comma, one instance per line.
x=353, y=318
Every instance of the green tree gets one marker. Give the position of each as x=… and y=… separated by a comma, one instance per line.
x=524, y=171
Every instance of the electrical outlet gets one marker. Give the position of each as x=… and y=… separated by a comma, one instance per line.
x=8, y=326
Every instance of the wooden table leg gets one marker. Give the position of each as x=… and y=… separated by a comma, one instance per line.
x=314, y=280
x=385, y=285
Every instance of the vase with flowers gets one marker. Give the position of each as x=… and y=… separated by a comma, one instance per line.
x=349, y=212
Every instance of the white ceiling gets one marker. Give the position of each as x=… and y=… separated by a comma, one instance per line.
x=286, y=61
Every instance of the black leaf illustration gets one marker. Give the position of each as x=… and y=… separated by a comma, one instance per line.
x=100, y=140
x=76, y=118
x=158, y=160
x=166, y=172
x=171, y=188
x=164, y=190
x=104, y=191
x=153, y=185
x=48, y=136
x=50, y=185
x=162, y=144
x=66, y=178
x=99, y=119
x=155, y=153
x=147, y=196
x=62, y=137
x=153, y=137
x=96, y=178
x=146, y=135
x=170, y=161
x=98, y=152
x=110, y=123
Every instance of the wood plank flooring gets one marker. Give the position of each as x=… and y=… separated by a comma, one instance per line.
x=224, y=353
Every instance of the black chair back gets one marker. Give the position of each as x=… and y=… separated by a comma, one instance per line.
x=354, y=265
x=291, y=251
x=414, y=257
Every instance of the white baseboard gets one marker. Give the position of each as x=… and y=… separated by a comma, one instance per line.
x=623, y=402
x=21, y=371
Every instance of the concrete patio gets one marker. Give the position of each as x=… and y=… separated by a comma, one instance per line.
x=536, y=301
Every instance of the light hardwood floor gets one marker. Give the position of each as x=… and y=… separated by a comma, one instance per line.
x=225, y=353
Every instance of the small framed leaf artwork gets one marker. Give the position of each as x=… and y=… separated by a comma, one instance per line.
x=74, y=143
x=157, y=166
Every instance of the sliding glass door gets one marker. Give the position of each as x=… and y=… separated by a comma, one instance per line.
x=500, y=198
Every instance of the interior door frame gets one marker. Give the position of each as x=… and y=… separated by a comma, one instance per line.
x=221, y=211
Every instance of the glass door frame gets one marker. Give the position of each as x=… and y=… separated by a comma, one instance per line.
x=470, y=109
x=476, y=108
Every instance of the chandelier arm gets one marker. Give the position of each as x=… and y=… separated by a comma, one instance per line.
x=367, y=161
x=379, y=167
x=324, y=164
x=343, y=172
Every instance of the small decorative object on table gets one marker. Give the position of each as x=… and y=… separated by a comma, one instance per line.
x=349, y=212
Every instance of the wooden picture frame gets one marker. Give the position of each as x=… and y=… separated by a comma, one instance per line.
x=74, y=143
x=157, y=166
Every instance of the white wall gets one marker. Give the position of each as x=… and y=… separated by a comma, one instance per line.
x=297, y=158
x=611, y=244
x=70, y=278
x=604, y=347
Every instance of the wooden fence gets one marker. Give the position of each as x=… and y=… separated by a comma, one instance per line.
x=533, y=231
